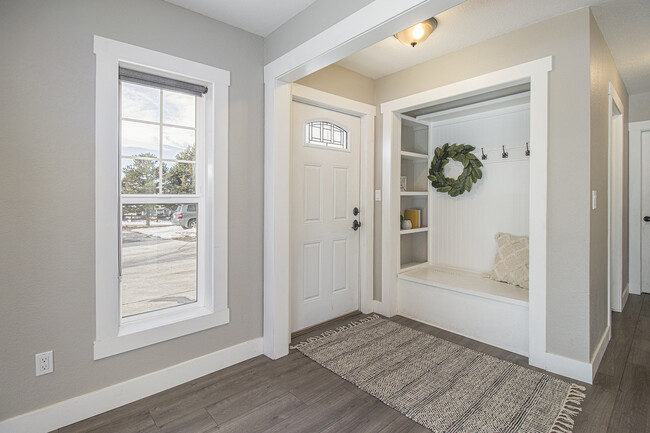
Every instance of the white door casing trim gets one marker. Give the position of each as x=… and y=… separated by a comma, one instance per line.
x=369, y=25
x=535, y=72
x=367, y=114
x=636, y=130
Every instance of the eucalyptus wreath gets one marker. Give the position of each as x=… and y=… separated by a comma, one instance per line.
x=459, y=153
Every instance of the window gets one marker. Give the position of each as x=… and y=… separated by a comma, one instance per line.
x=161, y=221
x=326, y=134
x=158, y=157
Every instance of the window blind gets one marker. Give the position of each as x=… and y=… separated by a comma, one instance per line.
x=157, y=81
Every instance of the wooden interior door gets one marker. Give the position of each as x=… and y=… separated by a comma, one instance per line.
x=325, y=192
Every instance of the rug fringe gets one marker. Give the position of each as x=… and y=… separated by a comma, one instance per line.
x=331, y=332
x=570, y=408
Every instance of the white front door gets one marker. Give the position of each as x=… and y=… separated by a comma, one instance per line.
x=645, y=212
x=325, y=191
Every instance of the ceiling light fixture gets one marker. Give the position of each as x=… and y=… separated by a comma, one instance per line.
x=418, y=33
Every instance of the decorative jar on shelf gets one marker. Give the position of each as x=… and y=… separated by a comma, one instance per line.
x=407, y=225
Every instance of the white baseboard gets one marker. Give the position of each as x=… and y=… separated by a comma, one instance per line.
x=569, y=367
x=600, y=350
x=579, y=370
x=78, y=408
x=380, y=308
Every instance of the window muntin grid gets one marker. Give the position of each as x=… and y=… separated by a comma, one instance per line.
x=327, y=134
x=157, y=140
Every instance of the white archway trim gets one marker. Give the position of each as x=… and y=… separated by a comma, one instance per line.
x=636, y=130
x=536, y=73
x=369, y=25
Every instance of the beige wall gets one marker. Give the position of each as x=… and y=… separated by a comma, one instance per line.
x=640, y=107
x=602, y=72
x=47, y=177
x=343, y=82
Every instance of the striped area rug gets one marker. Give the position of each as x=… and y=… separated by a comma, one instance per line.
x=443, y=386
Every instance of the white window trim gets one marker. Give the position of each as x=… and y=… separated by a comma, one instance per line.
x=114, y=335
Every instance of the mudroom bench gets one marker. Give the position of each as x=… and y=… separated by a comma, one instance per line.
x=466, y=303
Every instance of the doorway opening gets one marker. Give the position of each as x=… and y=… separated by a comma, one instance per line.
x=332, y=180
x=617, y=293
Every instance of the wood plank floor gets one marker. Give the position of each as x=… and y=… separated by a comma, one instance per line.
x=294, y=394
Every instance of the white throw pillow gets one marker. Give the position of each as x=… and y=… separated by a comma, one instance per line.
x=511, y=260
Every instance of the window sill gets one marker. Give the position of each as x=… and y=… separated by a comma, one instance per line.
x=140, y=333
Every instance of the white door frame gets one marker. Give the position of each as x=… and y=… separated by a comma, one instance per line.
x=535, y=72
x=617, y=296
x=636, y=130
x=369, y=25
x=367, y=114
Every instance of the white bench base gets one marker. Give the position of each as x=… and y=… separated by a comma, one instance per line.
x=467, y=304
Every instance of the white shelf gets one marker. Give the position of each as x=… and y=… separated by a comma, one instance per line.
x=413, y=193
x=414, y=156
x=409, y=231
x=412, y=265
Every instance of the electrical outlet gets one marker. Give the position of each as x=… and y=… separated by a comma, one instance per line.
x=44, y=363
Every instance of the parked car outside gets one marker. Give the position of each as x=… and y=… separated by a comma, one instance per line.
x=185, y=216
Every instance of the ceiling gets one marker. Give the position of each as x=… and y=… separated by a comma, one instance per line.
x=256, y=16
x=625, y=25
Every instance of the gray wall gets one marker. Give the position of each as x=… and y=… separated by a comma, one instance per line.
x=640, y=107
x=47, y=176
x=602, y=72
x=316, y=18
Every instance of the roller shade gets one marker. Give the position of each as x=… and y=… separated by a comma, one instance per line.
x=157, y=81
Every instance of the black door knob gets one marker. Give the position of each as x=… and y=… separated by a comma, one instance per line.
x=646, y=219
x=355, y=225
x=355, y=211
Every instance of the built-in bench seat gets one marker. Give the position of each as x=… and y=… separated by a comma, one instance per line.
x=466, y=303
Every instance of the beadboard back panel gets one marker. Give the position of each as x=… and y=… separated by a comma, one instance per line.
x=463, y=227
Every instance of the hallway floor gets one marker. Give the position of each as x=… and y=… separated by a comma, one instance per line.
x=294, y=394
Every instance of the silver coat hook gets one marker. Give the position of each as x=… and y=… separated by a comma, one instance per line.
x=483, y=155
x=527, y=150
x=504, y=154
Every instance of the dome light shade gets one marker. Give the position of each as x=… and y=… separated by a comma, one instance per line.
x=418, y=33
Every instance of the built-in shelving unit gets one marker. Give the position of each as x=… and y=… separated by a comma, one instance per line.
x=435, y=273
x=414, y=165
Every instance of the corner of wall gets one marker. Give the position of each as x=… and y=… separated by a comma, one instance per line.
x=602, y=72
